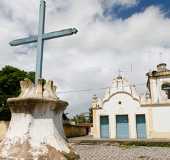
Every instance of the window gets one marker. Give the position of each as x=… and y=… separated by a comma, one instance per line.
x=166, y=88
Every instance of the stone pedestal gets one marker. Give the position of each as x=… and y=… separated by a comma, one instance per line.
x=36, y=130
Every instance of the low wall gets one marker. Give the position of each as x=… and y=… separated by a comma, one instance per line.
x=75, y=131
x=70, y=130
x=3, y=128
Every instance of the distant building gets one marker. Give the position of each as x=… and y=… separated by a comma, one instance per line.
x=123, y=114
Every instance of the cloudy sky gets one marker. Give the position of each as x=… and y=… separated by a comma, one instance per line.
x=128, y=35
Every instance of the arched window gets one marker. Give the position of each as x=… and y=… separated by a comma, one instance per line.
x=166, y=88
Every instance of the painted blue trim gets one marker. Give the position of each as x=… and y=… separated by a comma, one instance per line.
x=122, y=127
x=104, y=126
x=141, y=126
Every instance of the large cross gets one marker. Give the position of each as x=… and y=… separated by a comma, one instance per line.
x=39, y=39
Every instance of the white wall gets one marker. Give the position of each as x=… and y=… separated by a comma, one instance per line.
x=161, y=119
x=128, y=104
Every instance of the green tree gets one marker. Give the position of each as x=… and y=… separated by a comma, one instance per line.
x=78, y=119
x=10, y=86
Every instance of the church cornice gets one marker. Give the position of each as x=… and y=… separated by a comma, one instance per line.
x=167, y=104
x=121, y=92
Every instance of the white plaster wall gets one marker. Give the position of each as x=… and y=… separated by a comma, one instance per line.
x=154, y=93
x=112, y=126
x=19, y=120
x=161, y=119
x=97, y=124
x=129, y=107
x=128, y=104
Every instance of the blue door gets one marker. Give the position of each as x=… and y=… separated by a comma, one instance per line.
x=122, y=126
x=141, y=126
x=104, y=127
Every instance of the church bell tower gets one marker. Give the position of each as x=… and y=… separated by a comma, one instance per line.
x=159, y=84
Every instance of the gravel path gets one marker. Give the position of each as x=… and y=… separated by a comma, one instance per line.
x=108, y=152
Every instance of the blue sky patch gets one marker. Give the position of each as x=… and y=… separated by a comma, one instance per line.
x=125, y=12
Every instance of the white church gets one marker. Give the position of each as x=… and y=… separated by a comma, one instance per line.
x=123, y=114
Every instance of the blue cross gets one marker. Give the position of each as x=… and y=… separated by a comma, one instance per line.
x=39, y=39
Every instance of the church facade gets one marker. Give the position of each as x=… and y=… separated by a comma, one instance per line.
x=123, y=114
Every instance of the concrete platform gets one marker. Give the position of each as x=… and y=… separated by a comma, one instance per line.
x=89, y=140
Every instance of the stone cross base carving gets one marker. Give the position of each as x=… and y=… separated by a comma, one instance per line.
x=36, y=130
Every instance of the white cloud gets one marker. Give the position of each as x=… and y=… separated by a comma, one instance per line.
x=91, y=58
x=123, y=3
x=126, y=2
